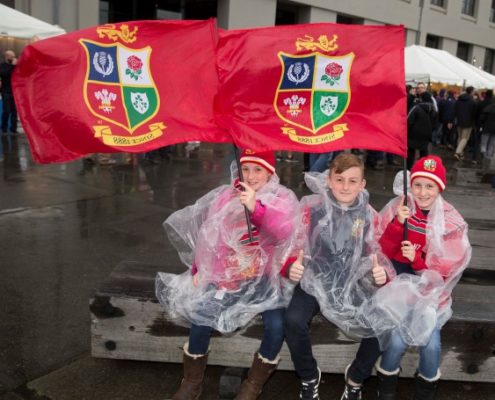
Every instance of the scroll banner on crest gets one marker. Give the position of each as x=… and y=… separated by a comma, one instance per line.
x=313, y=87
x=133, y=87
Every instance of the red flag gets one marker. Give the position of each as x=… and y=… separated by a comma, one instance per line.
x=130, y=87
x=314, y=87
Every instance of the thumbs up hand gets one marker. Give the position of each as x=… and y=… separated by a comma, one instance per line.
x=297, y=268
x=379, y=274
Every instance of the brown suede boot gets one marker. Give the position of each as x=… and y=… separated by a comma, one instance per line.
x=191, y=386
x=261, y=369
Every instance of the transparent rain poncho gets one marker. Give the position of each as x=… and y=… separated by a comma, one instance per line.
x=339, y=252
x=414, y=305
x=237, y=279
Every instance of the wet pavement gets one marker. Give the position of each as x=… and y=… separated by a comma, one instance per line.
x=64, y=227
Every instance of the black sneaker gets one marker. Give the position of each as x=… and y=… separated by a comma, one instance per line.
x=352, y=392
x=309, y=389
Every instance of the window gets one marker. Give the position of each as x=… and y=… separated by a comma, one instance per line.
x=439, y=3
x=127, y=10
x=286, y=14
x=489, y=61
x=350, y=20
x=492, y=12
x=434, y=42
x=104, y=12
x=468, y=7
x=464, y=51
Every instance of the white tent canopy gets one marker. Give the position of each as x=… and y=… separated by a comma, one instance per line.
x=439, y=66
x=15, y=24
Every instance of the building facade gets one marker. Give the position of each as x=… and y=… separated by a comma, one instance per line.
x=465, y=28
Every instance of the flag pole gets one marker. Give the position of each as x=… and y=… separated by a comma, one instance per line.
x=404, y=183
x=241, y=179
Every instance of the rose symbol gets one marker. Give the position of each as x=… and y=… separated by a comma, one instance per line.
x=333, y=71
x=135, y=66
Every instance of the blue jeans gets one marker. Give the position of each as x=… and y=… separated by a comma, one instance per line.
x=366, y=356
x=302, y=308
x=429, y=355
x=319, y=162
x=273, y=335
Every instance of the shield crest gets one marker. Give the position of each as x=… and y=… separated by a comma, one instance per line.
x=140, y=102
x=118, y=86
x=314, y=89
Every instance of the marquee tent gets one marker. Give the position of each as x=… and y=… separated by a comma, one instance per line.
x=15, y=24
x=439, y=66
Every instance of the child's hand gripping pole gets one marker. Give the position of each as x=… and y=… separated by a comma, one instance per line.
x=248, y=197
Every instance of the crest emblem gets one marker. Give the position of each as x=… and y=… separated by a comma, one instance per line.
x=357, y=227
x=314, y=89
x=430, y=165
x=119, y=87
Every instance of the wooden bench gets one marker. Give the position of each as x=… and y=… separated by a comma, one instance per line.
x=128, y=323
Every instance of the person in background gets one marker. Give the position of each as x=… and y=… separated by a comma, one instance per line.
x=420, y=122
x=420, y=89
x=480, y=107
x=9, y=110
x=411, y=96
x=465, y=113
x=487, y=129
x=446, y=116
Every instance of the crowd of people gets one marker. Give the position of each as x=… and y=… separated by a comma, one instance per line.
x=462, y=123
x=252, y=248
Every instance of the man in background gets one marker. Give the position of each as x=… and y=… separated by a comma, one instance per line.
x=9, y=111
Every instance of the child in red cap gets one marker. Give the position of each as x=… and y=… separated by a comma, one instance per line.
x=232, y=278
x=428, y=265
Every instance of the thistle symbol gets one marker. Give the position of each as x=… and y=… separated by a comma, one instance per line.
x=103, y=63
x=298, y=72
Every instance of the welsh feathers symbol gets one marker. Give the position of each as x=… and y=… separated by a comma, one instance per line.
x=314, y=89
x=294, y=102
x=106, y=99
